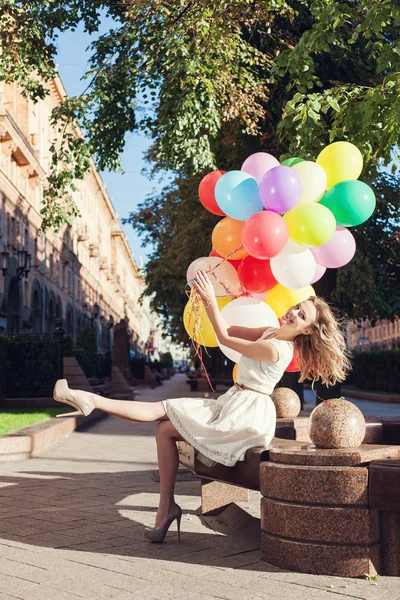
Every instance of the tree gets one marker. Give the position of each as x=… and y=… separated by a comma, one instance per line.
x=211, y=81
x=206, y=63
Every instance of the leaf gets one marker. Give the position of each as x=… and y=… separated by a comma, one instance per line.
x=333, y=103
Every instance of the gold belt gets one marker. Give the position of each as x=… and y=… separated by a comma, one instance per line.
x=240, y=386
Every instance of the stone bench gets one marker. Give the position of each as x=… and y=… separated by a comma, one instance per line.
x=322, y=511
x=384, y=496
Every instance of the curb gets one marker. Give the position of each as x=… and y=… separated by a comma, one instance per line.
x=31, y=440
x=373, y=396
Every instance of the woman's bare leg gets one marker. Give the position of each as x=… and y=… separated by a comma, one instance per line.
x=127, y=409
x=168, y=461
x=166, y=438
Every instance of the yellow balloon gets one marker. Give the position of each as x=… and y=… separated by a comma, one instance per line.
x=310, y=224
x=281, y=298
x=205, y=335
x=313, y=180
x=234, y=372
x=341, y=161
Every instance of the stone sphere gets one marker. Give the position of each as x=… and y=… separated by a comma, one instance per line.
x=336, y=423
x=287, y=403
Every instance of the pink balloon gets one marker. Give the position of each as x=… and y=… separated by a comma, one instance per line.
x=258, y=295
x=319, y=272
x=336, y=252
x=258, y=164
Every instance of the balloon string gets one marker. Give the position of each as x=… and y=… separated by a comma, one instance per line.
x=195, y=310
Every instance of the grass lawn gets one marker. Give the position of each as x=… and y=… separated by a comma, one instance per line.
x=13, y=419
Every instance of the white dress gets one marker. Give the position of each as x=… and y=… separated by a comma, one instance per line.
x=222, y=430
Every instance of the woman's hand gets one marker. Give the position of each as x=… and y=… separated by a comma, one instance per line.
x=204, y=287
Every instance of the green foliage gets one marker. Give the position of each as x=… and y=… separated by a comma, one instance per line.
x=185, y=71
x=86, y=340
x=166, y=360
x=379, y=370
x=14, y=419
x=68, y=345
x=368, y=287
x=212, y=81
x=93, y=365
x=344, y=78
x=179, y=227
x=31, y=366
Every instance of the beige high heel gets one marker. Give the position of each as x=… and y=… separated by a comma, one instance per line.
x=62, y=393
x=157, y=534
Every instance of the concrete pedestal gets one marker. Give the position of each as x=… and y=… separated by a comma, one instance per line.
x=315, y=516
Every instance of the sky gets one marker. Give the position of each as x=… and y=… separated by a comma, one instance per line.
x=125, y=190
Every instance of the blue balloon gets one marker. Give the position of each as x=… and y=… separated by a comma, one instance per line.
x=237, y=195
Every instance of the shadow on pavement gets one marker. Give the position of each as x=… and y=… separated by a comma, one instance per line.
x=105, y=513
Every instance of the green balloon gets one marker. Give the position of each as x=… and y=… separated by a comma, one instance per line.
x=352, y=202
x=289, y=162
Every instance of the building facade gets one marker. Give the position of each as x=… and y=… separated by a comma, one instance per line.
x=85, y=274
x=385, y=335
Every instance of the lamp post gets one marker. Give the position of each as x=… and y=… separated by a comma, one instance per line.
x=95, y=312
x=23, y=263
x=4, y=262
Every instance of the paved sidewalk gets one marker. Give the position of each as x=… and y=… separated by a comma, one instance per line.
x=72, y=527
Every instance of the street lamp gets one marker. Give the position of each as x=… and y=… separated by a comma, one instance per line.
x=95, y=312
x=24, y=264
x=4, y=262
x=110, y=323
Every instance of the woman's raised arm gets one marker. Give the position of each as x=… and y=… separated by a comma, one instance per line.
x=251, y=334
x=260, y=350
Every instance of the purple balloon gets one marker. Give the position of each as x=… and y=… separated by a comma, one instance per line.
x=280, y=189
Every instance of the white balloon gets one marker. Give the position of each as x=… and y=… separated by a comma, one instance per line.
x=291, y=248
x=224, y=276
x=294, y=270
x=313, y=179
x=191, y=270
x=246, y=312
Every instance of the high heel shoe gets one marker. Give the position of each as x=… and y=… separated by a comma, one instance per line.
x=62, y=393
x=157, y=534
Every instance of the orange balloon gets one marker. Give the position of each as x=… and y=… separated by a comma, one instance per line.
x=234, y=372
x=227, y=237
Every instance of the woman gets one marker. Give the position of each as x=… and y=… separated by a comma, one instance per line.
x=222, y=430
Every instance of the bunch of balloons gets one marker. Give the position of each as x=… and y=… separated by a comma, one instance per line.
x=283, y=225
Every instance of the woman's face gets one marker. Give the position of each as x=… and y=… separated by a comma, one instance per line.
x=300, y=318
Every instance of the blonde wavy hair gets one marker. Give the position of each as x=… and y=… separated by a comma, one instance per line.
x=323, y=354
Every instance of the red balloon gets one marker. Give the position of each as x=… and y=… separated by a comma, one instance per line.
x=234, y=263
x=293, y=366
x=265, y=234
x=206, y=192
x=256, y=275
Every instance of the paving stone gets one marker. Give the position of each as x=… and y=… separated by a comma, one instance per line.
x=75, y=530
